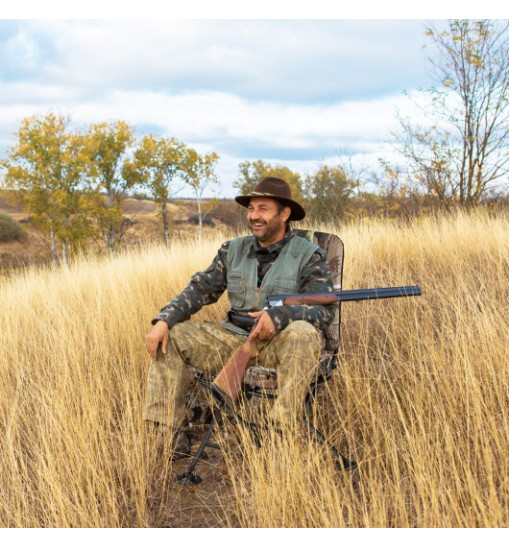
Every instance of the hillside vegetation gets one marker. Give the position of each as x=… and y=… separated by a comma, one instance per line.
x=420, y=398
x=143, y=225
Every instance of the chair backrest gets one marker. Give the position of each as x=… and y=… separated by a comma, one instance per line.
x=334, y=248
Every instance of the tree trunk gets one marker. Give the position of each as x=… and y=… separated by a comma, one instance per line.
x=53, y=239
x=166, y=228
x=200, y=220
x=109, y=239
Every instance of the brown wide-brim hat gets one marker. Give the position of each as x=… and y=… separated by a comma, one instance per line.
x=277, y=189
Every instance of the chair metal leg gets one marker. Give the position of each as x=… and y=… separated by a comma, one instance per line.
x=189, y=477
x=341, y=462
x=222, y=406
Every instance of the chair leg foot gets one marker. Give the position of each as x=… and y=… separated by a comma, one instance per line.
x=344, y=464
x=189, y=479
x=341, y=462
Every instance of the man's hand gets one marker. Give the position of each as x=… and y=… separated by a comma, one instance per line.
x=264, y=327
x=159, y=334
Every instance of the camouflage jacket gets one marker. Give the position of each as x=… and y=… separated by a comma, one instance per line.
x=206, y=287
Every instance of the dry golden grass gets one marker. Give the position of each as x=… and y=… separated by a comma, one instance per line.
x=420, y=399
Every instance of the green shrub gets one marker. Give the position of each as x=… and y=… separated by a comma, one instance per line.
x=9, y=228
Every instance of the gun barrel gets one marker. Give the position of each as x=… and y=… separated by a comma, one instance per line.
x=379, y=293
x=346, y=295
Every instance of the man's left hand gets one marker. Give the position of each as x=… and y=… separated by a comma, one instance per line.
x=264, y=328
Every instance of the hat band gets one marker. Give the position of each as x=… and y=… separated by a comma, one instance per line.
x=268, y=194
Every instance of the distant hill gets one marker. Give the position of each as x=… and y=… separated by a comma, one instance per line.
x=144, y=225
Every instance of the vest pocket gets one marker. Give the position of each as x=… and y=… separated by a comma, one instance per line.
x=236, y=288
x=282, y=286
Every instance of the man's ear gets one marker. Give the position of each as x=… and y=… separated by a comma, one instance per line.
x=285, y=214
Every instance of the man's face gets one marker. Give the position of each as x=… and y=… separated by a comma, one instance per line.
x=267, y=224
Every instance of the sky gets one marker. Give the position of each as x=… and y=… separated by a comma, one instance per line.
x=298, y=92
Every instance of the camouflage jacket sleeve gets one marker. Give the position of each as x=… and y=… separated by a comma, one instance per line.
x=204, y=288
x=315, y=278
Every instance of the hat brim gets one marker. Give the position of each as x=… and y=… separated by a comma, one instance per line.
x=297, y=211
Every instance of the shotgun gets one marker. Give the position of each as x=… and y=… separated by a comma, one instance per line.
x=228, y=383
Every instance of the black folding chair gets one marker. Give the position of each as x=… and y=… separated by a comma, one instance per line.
x=262, y=383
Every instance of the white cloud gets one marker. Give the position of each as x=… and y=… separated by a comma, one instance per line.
x=290, y=92
x=301, y=61
x=222, y=117
x=21, y=48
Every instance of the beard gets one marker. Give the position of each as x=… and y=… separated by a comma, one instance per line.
x=265, y=231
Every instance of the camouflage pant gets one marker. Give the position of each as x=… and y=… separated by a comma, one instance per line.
x=294, y=353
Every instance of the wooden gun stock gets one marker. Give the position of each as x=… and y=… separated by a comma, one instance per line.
x=323, y=299
x=230, y=378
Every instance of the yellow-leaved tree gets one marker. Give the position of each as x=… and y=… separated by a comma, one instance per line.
x=108, y=146
x=158, y=167
x=200, y=175
x=47, y=169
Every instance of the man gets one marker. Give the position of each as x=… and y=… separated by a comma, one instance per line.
x=272, y=260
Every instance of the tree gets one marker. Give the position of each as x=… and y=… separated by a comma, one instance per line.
x=463, y=152
x=108, y=147
x=157, y=165
x=47, y=168
x=328, y=193
x=199, y=174
x=251, y=173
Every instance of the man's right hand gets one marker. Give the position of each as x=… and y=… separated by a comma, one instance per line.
x=158, y=335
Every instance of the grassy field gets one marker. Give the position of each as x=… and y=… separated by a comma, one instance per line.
x=420, y=399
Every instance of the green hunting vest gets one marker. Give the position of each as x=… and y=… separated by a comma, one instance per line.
x=282, y=277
